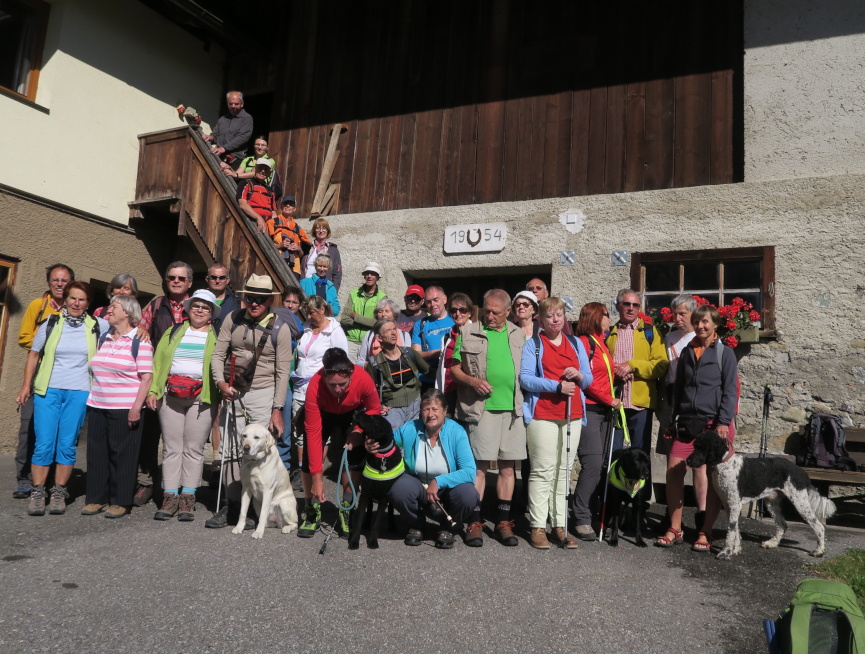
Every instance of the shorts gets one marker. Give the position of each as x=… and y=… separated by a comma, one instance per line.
x=334, y=427
x=684, y=449
x=498, y=436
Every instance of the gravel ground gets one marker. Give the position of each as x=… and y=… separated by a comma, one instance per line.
x=87, y=584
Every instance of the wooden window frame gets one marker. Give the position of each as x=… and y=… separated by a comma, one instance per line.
x=766, y=254
x=12, y=264
x=41, y=10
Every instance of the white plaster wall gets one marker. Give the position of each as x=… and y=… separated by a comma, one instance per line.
x=111, y=71
x=804, y=88
x=815, y=224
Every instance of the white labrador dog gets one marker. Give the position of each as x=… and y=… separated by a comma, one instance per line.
x=265, y=482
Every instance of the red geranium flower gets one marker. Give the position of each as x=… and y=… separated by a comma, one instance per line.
x=737, y=301
x=731, y=341
x=667, y=314
x=701, y=300
x=754, y=316
x=731, y=324
x=646, y=319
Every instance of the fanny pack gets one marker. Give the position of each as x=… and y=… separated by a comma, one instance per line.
x=687, y=427
x=185, y=388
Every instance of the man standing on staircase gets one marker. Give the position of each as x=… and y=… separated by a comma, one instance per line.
x=232, y=131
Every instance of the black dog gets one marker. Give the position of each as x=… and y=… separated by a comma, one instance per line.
x=381, y=469
x=628, y=474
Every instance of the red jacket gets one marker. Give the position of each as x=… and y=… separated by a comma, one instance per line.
x=361, y=394
x=599, y=392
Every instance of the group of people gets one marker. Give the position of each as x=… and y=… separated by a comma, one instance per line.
x=463, y=387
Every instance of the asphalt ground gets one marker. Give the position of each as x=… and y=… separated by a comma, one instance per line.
x=87, y=584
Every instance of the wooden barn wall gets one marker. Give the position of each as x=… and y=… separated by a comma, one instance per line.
x=462, y=101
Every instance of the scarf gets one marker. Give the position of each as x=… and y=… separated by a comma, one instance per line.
x=70, y=320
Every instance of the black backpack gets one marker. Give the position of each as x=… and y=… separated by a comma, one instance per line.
x=824, y=444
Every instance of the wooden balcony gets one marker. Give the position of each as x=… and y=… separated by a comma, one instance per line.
x=178, y=175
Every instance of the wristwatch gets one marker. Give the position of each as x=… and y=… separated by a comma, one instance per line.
x=278, y=407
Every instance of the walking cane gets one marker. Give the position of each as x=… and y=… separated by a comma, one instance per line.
x=224, y=442
x=567, y=469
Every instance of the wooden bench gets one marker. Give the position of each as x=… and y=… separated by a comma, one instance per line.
x=824, y=477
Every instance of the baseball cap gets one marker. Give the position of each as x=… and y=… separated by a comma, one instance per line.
x=414, y=289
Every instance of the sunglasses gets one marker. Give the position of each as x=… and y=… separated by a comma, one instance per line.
x=413, y=298
x=218, y=278
x=634, y=305
x=606, y=315
x=462, y=310
x=522, y=305
x=176, y=278
x=534, y=288
x=257, y=299
x=331, y=372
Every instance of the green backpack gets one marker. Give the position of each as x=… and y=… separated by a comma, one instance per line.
x=824, y=617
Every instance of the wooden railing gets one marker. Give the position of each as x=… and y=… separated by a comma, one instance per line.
x=177, y=173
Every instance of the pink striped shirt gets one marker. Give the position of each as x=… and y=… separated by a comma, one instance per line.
x=116, y=375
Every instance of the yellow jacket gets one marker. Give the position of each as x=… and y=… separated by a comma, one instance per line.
x=37, y=313
x=649, y=364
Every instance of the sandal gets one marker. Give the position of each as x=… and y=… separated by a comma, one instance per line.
x=701, y=547
x=663, y=541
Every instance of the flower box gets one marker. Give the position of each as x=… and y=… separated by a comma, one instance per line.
x=747, y=334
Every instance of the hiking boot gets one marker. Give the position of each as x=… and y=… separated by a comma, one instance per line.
x=414, y=537
x=22, y=492
x=142, y=495
x=538, y=538
x=475, y=534
x=505, y=533
x=311, y=520
x=170, y=505
x=116, y=511
x=93, y=509
x=186, y=512
x=586, y=533
x=444, y=540
x=58, y=500
x=228, y=515
x=563, y=540
x=342, y=523
x=37, y=501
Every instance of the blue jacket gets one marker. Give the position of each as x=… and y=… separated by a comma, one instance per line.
x=454, y=442
x=534, y=383
x=330, y=294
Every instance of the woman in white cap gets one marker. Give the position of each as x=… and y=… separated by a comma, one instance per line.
x=185, y=395
x=362, y=302
x=523, y=311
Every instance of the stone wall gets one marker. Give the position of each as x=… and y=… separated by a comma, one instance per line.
x=815, y=225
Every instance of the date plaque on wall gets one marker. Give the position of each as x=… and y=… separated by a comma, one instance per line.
x=486, y=237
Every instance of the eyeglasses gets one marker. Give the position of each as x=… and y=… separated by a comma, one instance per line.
x=606, y=315
x=522, y=305
x=463, y=310
x=255, y=299
x=633, y=305
x=176, y=278
x=201, y=307
x=332, y=372
x=534, y=288
x=218, y=278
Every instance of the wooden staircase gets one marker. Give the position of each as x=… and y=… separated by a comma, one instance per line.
x=177, y=175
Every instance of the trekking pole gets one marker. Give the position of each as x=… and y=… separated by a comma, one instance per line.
x=608, y=452
x=764, y=430
x=224, y=441
x=567, y=469
x=442, y=508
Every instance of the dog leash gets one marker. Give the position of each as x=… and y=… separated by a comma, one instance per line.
x=343, y=466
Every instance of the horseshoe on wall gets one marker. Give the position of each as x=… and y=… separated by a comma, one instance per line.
x=469, y=237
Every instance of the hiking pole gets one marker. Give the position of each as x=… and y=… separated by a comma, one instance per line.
x=608, y=451
x=567, y=469
x=764, y=430
x=224, y=442
x=442, y=509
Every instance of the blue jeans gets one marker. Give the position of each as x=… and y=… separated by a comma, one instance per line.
x=58, y=417
x=283, y=443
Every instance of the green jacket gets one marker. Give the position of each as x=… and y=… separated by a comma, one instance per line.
x=46, y=362
x=164, y=355
x=364, y=306
x=649, y=364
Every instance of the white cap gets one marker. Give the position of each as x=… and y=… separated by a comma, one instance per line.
x=206, y=296
x=264, y=162
x=372, y=266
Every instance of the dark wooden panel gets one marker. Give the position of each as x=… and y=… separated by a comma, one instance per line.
x=660, y=130
x=614, y=163
x=360, y=167
x=597, y=141
x=511, y=151
x=579, y=155
x=635, y=137
x=468, y=118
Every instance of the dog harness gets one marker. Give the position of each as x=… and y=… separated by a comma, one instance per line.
x=618, y=479
x=383, y=474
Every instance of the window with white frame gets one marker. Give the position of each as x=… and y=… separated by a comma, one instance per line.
x=717, y=275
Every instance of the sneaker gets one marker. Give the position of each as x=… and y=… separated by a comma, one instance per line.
x=37, y=501
x=444, y=540
x=116, y=511
x=475, y=535
x=186, y=512
x=586, y=533
x=23, y=490
x=342, y=522
x=170, y=505
x=563, y=540
x=142, y=495
x=218, y=520
x=505, y=533
x=538, y=538
x=414, y=537
x=58, y=500
x=311, y=521
x=93, y=509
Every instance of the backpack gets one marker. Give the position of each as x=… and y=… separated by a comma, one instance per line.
x=823, y=616
x=136, y=343
x=283, y=317
x=824, y=444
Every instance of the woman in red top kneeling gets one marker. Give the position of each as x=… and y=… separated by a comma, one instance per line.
x=553, y=369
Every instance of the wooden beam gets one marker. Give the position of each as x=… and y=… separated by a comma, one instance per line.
x=187, y=228
x=327, y=170
x=329, y=199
